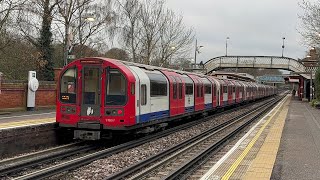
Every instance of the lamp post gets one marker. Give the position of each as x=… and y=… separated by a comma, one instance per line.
x=283, y=45
x=227, y=45
x=197, y=48
x=172, y=49
x=69, y=37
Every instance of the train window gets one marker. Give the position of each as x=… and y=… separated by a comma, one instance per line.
x=180, y=90
x=68, y=86
x=207, y=89
x=116, y=88
x=91, y=85
x=225, y=89
x=214, y=90
x=175, y=91
x=158, y=84
x=143, y=95
x=201, y=91
x=198, y=90
x=158, y=89
x=189, y=89
x=233, y=89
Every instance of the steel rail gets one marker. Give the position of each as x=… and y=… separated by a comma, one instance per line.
x=188, y=167
x=153, y=159
x=16, y=164
x=81, y=161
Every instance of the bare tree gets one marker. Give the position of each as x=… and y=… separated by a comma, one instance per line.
x=7, y=9
x=175, y=39
x=35, y=21
x=310, y=23
x=131, y=27
x=153, y=34
x=86, y=24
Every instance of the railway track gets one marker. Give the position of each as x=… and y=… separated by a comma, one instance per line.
x=75, y=163
x=181, y=160
x=14, y=165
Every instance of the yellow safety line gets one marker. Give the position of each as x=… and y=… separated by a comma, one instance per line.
x=248, y=148
x=26, y=122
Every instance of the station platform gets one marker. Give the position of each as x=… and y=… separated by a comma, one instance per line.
x=26, y=118
x=284, y=144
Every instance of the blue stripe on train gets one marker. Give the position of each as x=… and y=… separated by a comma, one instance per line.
x=189, y=109
x=208, y=106
x=152, y=116
x=224, y=103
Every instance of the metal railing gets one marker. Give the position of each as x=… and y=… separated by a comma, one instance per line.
x=270, y=62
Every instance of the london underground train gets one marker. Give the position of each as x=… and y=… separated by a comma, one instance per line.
x=97, y=97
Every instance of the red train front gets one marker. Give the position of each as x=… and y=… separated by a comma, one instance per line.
x=95, y=94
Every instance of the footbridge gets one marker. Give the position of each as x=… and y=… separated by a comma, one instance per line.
x=267, y=62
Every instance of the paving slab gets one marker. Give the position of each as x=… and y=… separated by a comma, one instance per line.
x=299, y=152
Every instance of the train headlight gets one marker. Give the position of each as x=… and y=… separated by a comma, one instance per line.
x=114, y=112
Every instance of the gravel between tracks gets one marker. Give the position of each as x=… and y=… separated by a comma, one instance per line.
x=103, y=168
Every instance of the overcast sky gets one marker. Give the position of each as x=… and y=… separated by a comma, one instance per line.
x=255, y=27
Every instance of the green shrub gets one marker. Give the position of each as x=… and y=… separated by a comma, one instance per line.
x=314, y=103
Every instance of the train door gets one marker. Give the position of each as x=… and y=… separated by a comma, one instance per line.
x=223, y=93
x=214, y=92
x=181, y=95
x=230, y=92
x=142, y=89
x=91, y=91
x=233, y=86
x=173, y=96
x=189, y=94
x=198, y=93
x=137, y=92
x=207, y=93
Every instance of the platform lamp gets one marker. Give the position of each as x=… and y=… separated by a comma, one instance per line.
x=227, y=45
x=69, y=37
x=283, y=45
x=197, y=50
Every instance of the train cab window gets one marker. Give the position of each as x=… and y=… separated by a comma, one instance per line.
x=207, y=89
x=116, y=88
x=143, y=95
x=68, y=86
x=91, y=85
x=189, y=89
x=233, y=89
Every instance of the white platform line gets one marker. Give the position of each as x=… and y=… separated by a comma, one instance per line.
x=208, y=175
x=7, y=117
x=26, y=125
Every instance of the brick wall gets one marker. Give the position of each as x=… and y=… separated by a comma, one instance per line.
x=14, y=94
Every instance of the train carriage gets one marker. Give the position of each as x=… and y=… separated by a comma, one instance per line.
x=215, y=91
x=207, y=93
x=98, y=96
x=189, y=94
